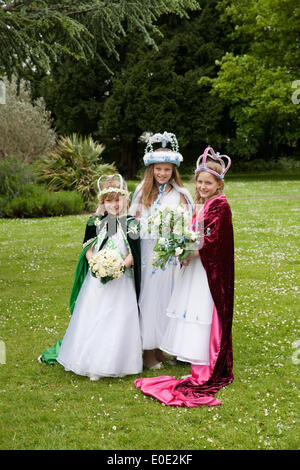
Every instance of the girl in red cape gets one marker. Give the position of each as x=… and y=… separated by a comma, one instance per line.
x=201, y=306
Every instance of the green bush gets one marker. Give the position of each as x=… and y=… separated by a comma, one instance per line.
x=14, y=175
x=36, y=201
x=25, y=126
x=75, y=164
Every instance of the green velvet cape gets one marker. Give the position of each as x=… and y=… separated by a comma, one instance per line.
x=130, y=227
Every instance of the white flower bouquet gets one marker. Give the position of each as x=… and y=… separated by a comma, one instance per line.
x=170, y=226
x=107, y=265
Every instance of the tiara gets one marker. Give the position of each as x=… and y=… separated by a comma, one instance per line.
x=209, y=152
x=168, y=156
x=122, y=190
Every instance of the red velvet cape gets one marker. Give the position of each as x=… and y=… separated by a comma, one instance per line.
x=217, y=256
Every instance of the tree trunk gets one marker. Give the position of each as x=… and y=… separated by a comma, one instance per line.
x=128, y=164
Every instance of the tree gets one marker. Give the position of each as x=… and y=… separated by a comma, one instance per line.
x=25, y=126
x=36, y=34
x=150, y=89
x=256, y=82
x=157, y=90
x=75, y=92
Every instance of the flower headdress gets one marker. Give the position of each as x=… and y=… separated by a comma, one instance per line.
x=216, y=157
x=105, y=180
x=168, y=156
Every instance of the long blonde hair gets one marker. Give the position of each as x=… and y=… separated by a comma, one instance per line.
x=150, y=189
x=218, y=169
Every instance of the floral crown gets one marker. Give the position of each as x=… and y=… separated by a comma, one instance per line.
x=216, y=157
x=168, y=156
x=122, y=190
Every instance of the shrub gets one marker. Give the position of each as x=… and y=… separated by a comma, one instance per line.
x=36, y=201
x=75, y=164
x=14, y=175
x=25, y=127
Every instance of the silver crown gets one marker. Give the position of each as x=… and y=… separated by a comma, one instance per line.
x=168, y=156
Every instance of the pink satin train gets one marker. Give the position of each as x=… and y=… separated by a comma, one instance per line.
x=183, y=392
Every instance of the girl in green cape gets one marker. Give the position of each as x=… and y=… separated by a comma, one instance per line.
x=103, y=337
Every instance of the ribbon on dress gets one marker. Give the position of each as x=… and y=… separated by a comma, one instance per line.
x=161, y=188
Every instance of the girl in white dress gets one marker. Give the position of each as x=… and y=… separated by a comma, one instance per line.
x=201, y=307
x=191, y=306
x=103, y=337
x=161, y=186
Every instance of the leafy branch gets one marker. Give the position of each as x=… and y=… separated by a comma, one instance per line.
x=36, y=34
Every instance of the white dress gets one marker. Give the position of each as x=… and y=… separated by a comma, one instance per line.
x=156, y=287
x=190, y=313
x=103, y=337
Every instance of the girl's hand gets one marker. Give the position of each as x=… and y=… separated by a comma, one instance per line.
x=186, y=261
x=128, y=261
x=89, y=253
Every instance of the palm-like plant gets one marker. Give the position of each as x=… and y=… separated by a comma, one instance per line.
x=75, y=164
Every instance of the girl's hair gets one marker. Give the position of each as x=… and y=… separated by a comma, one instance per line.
x=111, y=196
x=150, y=189
x=218, y=169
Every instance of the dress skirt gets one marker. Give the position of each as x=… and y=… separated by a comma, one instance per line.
x=156, y=289
x=103, y=337
x=190, y=316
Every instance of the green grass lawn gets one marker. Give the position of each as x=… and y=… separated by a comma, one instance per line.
x=44, y=407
